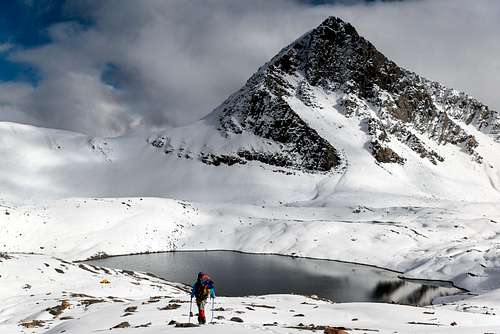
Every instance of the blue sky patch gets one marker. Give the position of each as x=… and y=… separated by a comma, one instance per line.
x=24, y=24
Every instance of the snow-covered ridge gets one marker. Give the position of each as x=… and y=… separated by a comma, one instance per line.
x=40, y=164
x=334, y=57
x=392, y=104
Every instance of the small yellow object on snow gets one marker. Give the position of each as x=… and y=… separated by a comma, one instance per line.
x=104, y=281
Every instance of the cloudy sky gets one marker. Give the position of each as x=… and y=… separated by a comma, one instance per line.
x=105, y=67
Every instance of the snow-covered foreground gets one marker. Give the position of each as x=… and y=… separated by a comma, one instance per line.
x=452, y=241
x=41, y=294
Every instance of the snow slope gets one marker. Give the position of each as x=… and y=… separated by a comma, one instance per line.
x=39, y=164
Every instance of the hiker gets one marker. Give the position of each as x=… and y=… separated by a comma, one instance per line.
x=203, y=288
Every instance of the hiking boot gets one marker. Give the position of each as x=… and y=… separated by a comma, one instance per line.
x=201, y=317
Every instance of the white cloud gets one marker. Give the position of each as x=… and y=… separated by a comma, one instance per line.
x=174, y=61
x=12, y=97
x=5, y=47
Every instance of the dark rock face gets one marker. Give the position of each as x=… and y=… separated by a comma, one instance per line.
x=217, y=160
x=385, y=154
x=269, y=116
x=334, y=56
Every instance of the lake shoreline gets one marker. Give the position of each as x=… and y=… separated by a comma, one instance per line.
x=341, y=281
x=401, y=274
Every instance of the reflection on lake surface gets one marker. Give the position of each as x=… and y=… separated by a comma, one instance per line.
x=239, y=274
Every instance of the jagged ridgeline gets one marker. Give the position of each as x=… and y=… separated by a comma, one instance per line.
x=395, y=107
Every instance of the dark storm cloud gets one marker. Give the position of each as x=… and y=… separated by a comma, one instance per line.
x=153, y=63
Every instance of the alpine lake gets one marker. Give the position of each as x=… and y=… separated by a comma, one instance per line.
x=242, y=274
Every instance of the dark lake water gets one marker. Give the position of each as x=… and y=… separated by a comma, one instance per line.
x=240, y=274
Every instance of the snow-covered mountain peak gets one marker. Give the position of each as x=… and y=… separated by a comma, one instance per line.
x=331, y=101
x=394, y=106
x=328, y=118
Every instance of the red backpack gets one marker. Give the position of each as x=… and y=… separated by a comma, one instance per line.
x=203, y=286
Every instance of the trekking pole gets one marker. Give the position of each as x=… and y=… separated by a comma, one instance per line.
x=213, y=302
x=190, y=304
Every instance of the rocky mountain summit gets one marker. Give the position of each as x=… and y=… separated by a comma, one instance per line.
x=393, y=105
